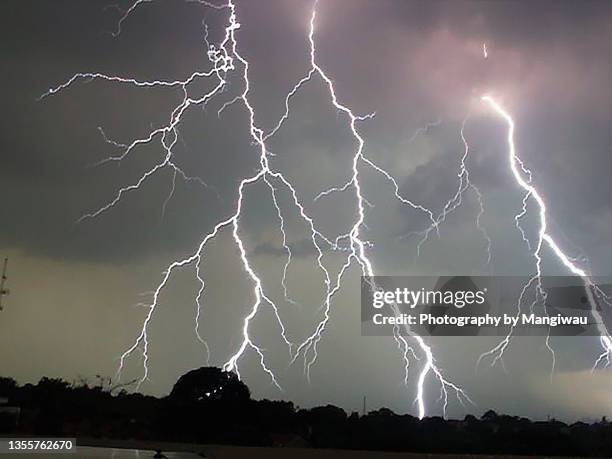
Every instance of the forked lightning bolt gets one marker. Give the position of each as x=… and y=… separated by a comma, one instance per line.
x=226, y=62
x=595, y=295
x=455, y=201
x=358, y=247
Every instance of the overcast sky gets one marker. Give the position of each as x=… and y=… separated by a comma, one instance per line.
x=77, y=288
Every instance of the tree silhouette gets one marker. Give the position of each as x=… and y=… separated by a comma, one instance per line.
x=208, y=405
x=7, y=386
x=490, y=415
x=209, y=383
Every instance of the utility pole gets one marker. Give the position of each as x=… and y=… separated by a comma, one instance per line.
x=3, y=290
x=363, y=413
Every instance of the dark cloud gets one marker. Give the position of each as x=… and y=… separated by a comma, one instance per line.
x=410, y=62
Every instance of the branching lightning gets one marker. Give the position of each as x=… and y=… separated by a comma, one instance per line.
x=523, y=177
x=226, y=61
x=464, y=185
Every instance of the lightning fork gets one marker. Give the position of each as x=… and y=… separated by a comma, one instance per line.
x=358, y=246
x=464, y=184
x=226, y=60
x=523, y=178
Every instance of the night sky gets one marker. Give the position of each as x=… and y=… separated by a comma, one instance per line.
x=79, y=290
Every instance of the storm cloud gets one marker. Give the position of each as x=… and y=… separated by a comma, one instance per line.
x=76, y=285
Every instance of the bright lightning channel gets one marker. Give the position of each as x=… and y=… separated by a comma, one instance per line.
x=225, y=59
x=523, y=178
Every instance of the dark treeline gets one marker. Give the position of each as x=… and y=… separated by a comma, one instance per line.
x=209, y=406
